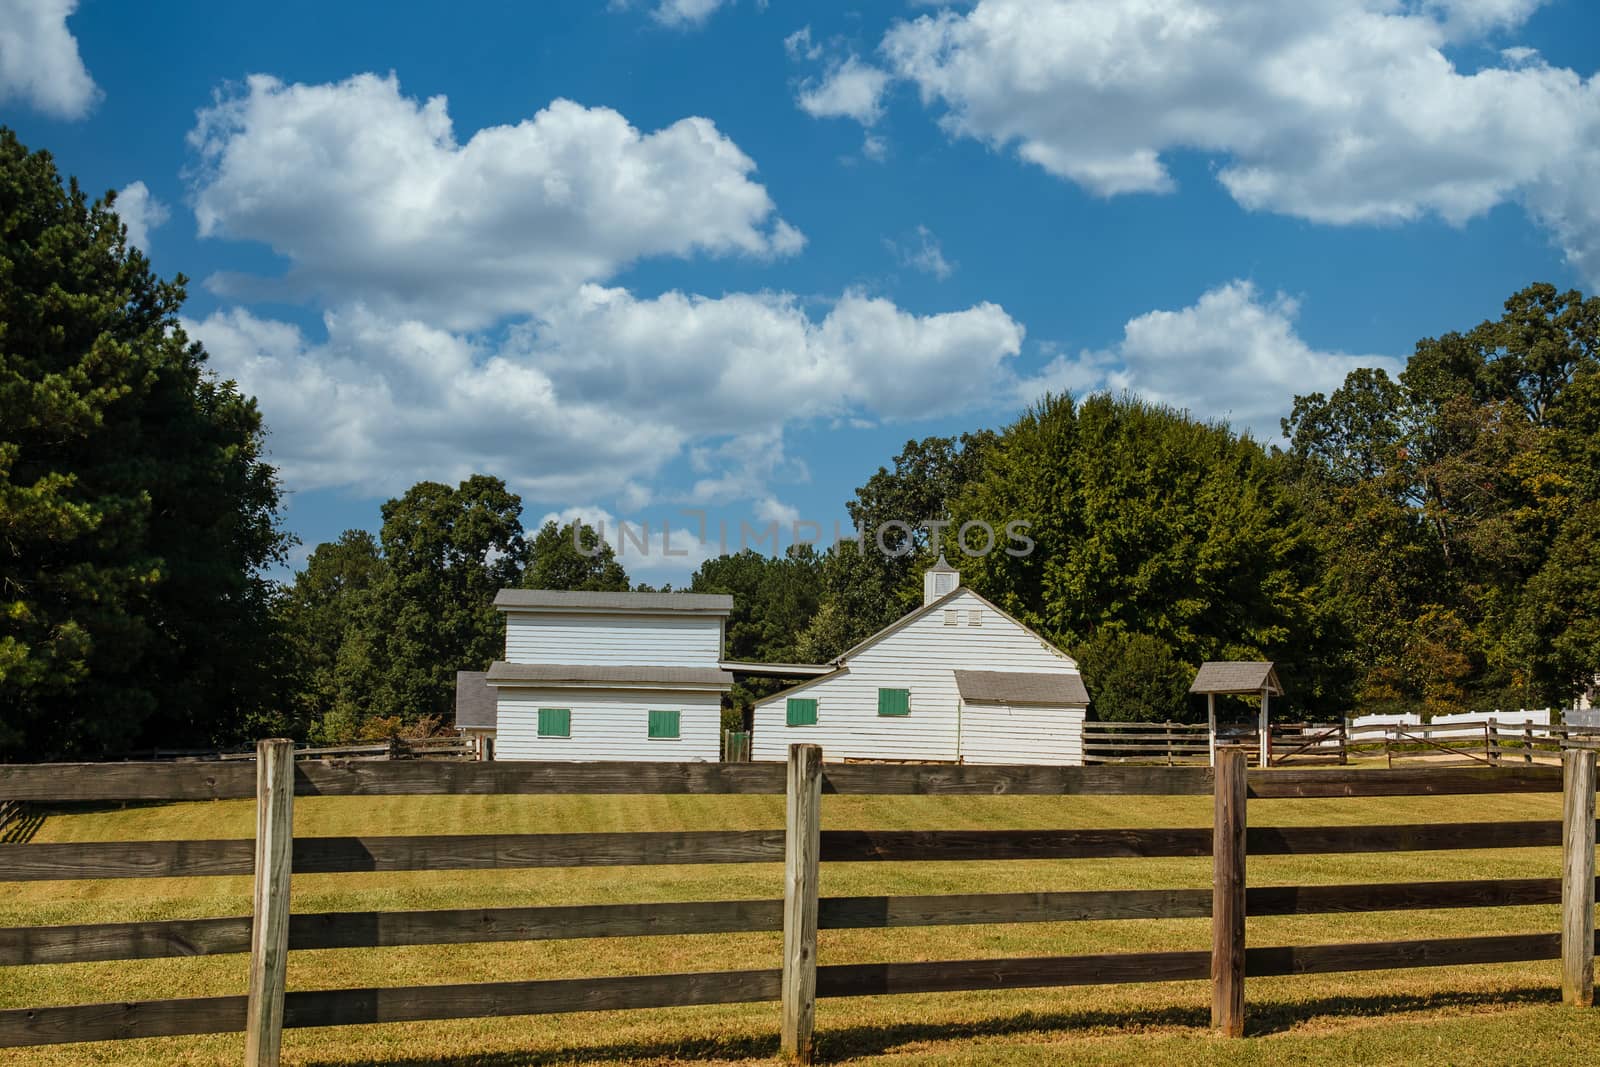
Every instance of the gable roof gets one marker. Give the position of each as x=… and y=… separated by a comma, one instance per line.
x=900, y=624
x=1021, y=687
x=1236, y=676
x=581, y=600
x=601, y=676
x=475, y=701
x=932, y=606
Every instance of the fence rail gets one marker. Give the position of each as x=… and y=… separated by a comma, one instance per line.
x=799, y=913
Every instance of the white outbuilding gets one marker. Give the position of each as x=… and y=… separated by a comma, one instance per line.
x=610, y=676
x=957, y=680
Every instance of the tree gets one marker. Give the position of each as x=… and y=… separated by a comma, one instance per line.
x=448, y=551
x=774, y=600
x=573, y=557
x=320, y=613
x=137, y=511
x=1147, y=521
x=1134, y=677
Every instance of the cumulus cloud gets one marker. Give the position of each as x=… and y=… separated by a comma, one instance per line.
x=39, y=61
x=1328, y=110
x=141, y=212
x=371, y=198
x=599, y=393
x=1233, y=355
x=848, y=89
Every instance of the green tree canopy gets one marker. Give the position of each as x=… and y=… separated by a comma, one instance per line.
x=573, y=557
x=137, y=511
x=1146, y=521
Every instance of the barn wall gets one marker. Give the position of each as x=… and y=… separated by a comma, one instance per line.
x=642, y=640
x=1017, y=733
x=921, y=657
x=608, y=725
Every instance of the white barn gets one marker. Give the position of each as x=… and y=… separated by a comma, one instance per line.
x=958, y=680
x=610, y=676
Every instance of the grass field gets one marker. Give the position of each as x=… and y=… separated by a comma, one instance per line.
x=1495, y=1014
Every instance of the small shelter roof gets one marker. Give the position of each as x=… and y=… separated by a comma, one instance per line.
x=1236, y=677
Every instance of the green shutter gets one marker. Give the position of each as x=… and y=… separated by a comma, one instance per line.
x=664, y=724
x=894, y=702
x=555, y=722
x=802, y=711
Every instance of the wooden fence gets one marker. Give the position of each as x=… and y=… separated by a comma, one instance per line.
x=273, y=929
x=1175, y=743
x=1489, y=742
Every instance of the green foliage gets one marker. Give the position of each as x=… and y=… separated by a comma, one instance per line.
x=1447, y=506
x=1147, y=521
x=321, y=612
x=774, y=599
x=136, y=509
x=573, y=557
x=1134, y=677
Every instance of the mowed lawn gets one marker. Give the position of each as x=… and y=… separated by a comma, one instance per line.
x=1490, y=1014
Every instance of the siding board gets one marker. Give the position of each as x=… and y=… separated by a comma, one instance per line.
x=609, y=724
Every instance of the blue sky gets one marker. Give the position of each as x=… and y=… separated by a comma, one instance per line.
x=641, y=257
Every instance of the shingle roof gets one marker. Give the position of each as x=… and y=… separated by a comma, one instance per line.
x=1019, y=687
x=943, y=566
x=1236, y=677
x=601, y=675
x=579, y=600
x=475, y=701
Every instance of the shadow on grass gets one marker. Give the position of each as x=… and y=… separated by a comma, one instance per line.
x=847, y=1043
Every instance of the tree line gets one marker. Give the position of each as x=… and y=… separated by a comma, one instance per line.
x=1426, y=541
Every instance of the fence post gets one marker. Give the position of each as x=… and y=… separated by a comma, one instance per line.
x=269, y=925
x=1577, y=877
x=801, y=850
x=1227, y=892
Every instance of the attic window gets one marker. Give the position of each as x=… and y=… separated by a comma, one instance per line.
x=943, y=583
x=975, y=617
x=952, y=617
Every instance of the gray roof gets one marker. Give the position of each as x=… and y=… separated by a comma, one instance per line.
x=603, y=675
x=579, y=600
x=1020, y=687
x=475, y=701
x=1236, y=677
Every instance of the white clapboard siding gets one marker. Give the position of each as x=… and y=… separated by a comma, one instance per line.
x=921, y=657
x=1004, y=733
x=608, y=725
x=641, y=640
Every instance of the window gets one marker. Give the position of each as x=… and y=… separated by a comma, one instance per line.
x=894, y=702
x=952, y=617
x=802, y=711
x=664, y=725
x=555, y=722
x=975, y=617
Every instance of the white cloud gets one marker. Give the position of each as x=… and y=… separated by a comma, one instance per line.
x=371, y=198
x=1231, y=355
x=685, y=12
x=849, y=89
x=39, y=61
x=924, y=254
x=660, y=547
x=799, y=45
x=874, y=148
x=1331, y=110
x=140, y=212
x=601, y=392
